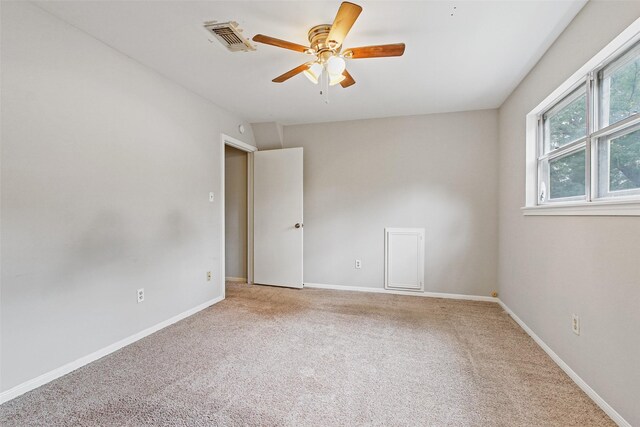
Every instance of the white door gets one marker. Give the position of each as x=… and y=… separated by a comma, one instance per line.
x=277, y=217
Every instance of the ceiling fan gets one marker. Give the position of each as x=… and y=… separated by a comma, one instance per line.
x=326, y=44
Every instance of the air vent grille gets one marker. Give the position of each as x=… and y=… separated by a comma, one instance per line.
x=229, y=35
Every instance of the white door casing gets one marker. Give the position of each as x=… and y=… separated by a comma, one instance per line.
x=278, y=217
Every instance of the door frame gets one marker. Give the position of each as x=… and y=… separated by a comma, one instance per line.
x=249, y=149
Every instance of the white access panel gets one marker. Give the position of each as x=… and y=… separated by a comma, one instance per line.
x=404, y=259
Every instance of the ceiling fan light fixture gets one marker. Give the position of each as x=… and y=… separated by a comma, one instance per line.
x=334, y=79
x=326, y=43
x=336, y=66
x=314, y=72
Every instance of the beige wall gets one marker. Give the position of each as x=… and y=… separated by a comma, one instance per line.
x=434, y=171
x=235, y=207
x=106, y=167
x=551, y=267
x=106, y=171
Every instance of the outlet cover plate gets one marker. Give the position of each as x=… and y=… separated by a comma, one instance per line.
x=575, y=324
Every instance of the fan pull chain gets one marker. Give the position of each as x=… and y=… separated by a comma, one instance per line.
x=324, y=86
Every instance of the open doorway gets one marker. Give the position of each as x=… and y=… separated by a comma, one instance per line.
x=237, y=211
x=235, y=214
x=271, y=182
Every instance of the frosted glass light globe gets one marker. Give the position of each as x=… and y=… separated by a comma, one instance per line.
x=335, y=79
x=336, y=65
x=314, y=72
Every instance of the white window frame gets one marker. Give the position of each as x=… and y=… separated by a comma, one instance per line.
x=563, y=151
x=627, y=204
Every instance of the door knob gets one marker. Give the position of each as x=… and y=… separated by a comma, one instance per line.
x=299, y=225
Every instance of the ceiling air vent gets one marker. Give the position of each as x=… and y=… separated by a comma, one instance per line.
x=229, y=35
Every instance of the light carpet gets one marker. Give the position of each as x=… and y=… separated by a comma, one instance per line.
x=281, y=357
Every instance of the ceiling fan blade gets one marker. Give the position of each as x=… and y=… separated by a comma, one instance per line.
x=346, y=17
x=261, y=38
x=348, y=81
x=379, y=51
x=286, y=76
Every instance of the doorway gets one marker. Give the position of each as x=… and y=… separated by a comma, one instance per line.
x=271, y=183
x=236, y=246
x=235, y=214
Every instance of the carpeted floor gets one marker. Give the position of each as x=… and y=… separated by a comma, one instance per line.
x=270, y=357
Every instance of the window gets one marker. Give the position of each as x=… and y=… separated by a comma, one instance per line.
x=583, y=141
x=562, y=175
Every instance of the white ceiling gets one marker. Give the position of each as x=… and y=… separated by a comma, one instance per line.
x=471, y=60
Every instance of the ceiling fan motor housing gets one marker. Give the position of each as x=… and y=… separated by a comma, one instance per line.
x=318, y=40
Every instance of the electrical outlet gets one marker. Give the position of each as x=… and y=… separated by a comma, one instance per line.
x=575, y=324
x=140, y=295
x=208, y=276
x=358, y=263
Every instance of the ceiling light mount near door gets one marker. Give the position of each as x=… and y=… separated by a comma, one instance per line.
x=325, y=42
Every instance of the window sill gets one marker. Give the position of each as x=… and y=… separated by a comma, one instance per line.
x=607, y=208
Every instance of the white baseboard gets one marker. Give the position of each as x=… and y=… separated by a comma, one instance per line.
x=394, y=292
x=236, y=279
x=612, y=413
x=72, y=366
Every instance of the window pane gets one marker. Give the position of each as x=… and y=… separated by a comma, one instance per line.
x=567, y=175
x=624, y=162
x=620, y=94
x=566, y=125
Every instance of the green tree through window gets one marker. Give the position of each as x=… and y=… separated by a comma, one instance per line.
x=624, y=162
x=568, y=124
x=623, y=96
x=624, y=91
x=567, y=175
